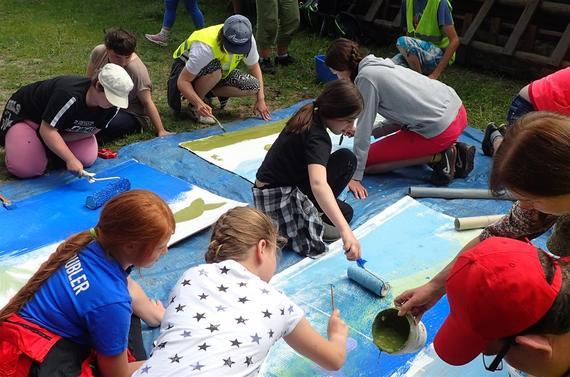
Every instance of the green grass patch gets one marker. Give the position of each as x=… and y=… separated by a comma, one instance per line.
x=46, y=38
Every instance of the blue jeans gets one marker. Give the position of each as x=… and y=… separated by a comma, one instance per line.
x=519, y=107
x=191, y=7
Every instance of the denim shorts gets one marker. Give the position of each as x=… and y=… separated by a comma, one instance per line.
x=427, y=53
x=519, y=107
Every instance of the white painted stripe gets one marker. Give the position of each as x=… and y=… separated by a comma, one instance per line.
x=62, y=111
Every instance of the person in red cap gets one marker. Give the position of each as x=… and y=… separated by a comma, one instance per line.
x=532, y=164
x=509, y=299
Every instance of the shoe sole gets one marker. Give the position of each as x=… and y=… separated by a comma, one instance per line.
x=463, y=171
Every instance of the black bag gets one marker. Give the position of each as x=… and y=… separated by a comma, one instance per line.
x=172, y=92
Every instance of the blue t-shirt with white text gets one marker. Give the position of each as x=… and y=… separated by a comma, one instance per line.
x=86, y=301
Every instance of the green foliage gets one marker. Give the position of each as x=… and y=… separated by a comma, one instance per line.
x=46, y=38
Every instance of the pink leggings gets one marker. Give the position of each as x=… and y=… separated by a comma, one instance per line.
x=407, y=145
x=26, y=156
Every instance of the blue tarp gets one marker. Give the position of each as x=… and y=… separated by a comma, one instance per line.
x=165, y=155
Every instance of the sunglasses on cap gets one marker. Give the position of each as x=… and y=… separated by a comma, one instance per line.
x=497, y=362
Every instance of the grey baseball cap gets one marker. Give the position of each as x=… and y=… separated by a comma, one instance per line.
x=237, y=34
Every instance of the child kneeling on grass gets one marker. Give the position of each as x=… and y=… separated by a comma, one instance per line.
x=76, y=310
x=300, y=178
x=223, y=316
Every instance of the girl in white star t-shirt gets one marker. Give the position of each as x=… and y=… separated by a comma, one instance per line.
x=223, y=316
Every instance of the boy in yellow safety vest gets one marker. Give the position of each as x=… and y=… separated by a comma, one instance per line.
x=205, y=66
x=431, y=39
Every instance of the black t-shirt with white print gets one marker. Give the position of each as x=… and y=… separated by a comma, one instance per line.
x=287, y=161
x=61, y=102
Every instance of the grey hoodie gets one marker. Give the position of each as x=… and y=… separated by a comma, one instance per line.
x=404, y=97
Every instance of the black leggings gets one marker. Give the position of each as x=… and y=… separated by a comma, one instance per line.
x=122, y=124
x=340, y=169
x=65, y=358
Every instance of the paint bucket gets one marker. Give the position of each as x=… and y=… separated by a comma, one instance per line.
x=398, y=335
x=324, y=74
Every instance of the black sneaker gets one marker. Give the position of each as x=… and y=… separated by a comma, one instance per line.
x=465, y=159
x=444, y=170
x=223, y=102
x=266, y=66
x=285, y=60
x=486, y=144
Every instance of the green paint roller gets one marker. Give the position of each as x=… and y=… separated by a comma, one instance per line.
x=368, y=279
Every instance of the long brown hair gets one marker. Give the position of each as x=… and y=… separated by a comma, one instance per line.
x=344, y=55
x=339, y=100
x=138, y=216
x=534, y=156
x=237, y=231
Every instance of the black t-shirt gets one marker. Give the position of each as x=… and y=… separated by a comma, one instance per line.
x=287, y=161
x=60, y=102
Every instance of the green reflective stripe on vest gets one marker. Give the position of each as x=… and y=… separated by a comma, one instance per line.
x=428, y=27
x=209, y=36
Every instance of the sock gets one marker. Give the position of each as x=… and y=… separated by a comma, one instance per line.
x=283, y=56
x=164, y=32
x=494, y=135
x=436, y=158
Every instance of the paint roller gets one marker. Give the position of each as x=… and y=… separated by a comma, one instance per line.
x=98, y=198
x=367, y=279
x=454, y=193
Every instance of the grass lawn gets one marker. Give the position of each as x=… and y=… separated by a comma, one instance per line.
x=42, y=39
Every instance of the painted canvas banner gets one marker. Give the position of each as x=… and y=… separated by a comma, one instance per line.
x=38, y=224
x=406, y=245
x=243, y=151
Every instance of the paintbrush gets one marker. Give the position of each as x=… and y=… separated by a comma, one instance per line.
x=7, y=203
x=341, y=138
x=219, y=124
x=332, y=297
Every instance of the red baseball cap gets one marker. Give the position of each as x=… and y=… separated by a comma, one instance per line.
x=495, y=290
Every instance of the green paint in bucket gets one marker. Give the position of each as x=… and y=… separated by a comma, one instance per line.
x=397, y=335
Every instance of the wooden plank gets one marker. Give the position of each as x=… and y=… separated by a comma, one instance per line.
x=520, y=27
x=485, y=8
x=374, y=7
x=561, y=48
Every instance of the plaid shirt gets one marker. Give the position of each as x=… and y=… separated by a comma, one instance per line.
x=296, y=215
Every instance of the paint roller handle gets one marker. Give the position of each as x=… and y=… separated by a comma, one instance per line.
x=417, y=301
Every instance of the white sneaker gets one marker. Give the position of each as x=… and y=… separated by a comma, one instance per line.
x=159, y=39
x=205, y=120
x=200, y=118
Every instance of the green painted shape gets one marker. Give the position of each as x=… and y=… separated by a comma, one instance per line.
x=10, y=282
x=229, y=138
x=267, y=147
x=195, y=210
x=390, y=332
x=216, y=157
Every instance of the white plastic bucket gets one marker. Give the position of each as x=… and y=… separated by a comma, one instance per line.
x=398, y=335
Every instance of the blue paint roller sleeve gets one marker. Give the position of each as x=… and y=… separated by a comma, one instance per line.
x=98, y=198
x=367, y=280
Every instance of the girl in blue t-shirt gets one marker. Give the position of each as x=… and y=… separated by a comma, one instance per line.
x=81, y=299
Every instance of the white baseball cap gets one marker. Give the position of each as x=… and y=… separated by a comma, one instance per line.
x=117, y=84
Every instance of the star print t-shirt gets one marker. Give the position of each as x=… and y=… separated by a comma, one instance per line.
x=221, y=320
